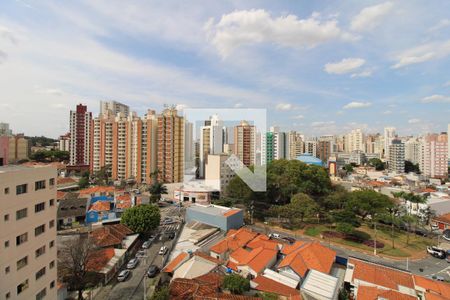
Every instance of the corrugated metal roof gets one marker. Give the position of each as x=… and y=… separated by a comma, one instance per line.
x=318, y=283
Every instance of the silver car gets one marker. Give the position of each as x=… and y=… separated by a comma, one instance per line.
x=123, y=275
x=132, y=263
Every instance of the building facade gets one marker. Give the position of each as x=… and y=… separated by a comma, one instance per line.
x=80, y=136
x=389, y=135
x=4, y=129
x=211, y=141
x=217, y=173
x=397, y=156
x=295, y=145
x=19, y=148
x=28, y=233
x=114, y=107
x=244, y=143
x=64, y=142
x=412, y=150
x=434, y=156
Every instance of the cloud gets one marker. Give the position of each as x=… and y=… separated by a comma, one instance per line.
x=436, y=98
x=283, y=106
x=441, y=24
x=347, y=65
x=238, y=105
x=413, y=121
x=322, y=124
x=364, y=73
x=356, y=104
x=258, y=26
x=447, y=83
x=298, y=117
x=181, y=106
x=387, y=112
x=3, y=56
x=422, y=53
x=370, y=17
x=7, y=34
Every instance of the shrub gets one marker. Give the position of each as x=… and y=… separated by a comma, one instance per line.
x=333, y=234
x=371, y=243
x=236, y=284
x=358, y=236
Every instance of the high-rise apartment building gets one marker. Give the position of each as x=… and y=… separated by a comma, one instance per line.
x=295, y=145
x=170, y=149
x=19, y=148
x=211, y=140
x=324, y=149
x=412, y=150
x=125, y=143
x=4, y=129
x=448, y=142
x=244, y=143
x=354, y=141
x=389, y=135
x=80, y=136
x=396, y=162
x=217, y=173
x=311, y=147
x=28, y=233
x=189, y=156
x=4, y=150
x=434, y=155
x=64, y=142
x=274, y=146
x=114, y=107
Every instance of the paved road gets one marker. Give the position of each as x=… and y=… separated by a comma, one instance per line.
x=426, y=267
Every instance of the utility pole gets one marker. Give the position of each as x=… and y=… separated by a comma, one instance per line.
x=407, y=264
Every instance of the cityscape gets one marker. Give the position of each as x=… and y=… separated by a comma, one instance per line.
x=214, y=160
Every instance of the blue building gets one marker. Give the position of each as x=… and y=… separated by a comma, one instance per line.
x=310, y=160
x=221, y=217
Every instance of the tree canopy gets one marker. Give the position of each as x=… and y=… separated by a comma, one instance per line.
x=377, y=164
x=142, y=218
x=50, y=155
x=236, y=284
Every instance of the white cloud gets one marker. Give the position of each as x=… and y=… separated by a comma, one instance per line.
x=283, y=106
x=322, y=124
x=298, y=117
x=436, y=98
x=387, y=112
x=238, y=105
x=356, y=104
x=370, y=17
x=344, y=66
x=364, y=73
x=422, y=53
x=258, y=26
x=413, y=121
x=441, y=24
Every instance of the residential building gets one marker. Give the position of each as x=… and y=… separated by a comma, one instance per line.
x=114, y=107
x=218, y=173
x=221, y=217
x=189, y=151
x=244, y=143
x=273, y=146
x=211, y=141
x=324, y=149
x=4, y=130
x=434, y=156
x=396, y=161
x=28, y=232
x=4, y=150
x=311, y=147
x=412, y=150
x=80, y=136
x=170, y=146
x=295, y=145
x=448, y=143
x=19, y=148
x=389, y=135
x=355, y=141
x=64, y=142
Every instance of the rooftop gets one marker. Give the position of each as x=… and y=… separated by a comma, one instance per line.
x=110, y=235
x=234, y=240
x=443, y=218
x=264, y=284
x=214, y=210
x=322, y=285
x=375, y=293
x=431, y=286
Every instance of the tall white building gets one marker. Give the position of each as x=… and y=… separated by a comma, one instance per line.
x=28, y=233
x=355, y=141
x=211, y=141
x=311, y=147
x=412, y=150
x=295, y=145
x=389, y=135
x=189, y=145
x=114, y=107
x=434, y=155
x=397, y=156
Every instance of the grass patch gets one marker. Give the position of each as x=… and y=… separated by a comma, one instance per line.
x=315, y=230
x=394, y=252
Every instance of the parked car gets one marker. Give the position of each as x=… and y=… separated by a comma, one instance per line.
x=434, y=227
x=421, y=232
x=171, y=235
x=289, y=239
x=436, y=252
x=132, y=263
x=152, y=271
x=168, y=221
x=275, y=235
x=140, y=253
x=123, y=275
x=446, y=234
x=151, y=238
x=146, y=244
x=448, y=256
x=163, y=250
x=438, y=278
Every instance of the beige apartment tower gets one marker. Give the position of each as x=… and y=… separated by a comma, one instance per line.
x=28, y=233
x=244, y=143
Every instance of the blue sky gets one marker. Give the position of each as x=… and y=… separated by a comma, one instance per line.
x=319, y=67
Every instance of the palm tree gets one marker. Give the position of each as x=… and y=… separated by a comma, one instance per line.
x=156, y=190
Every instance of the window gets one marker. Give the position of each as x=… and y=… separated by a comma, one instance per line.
x=51, y=224
x=7, y=269
x=40, y=273
x=22, y=262
x=51, y=181
x=52, y=284
x=21, y=189
x=20, y=239
x=51, y=265
x=6, y=244
x=6, y=217
x=7, y=191
x=39, y=207
x=40, y=251
x=21, y=213
x=39, y=185
x=52, y=202
x=41, y=295
x=39, y=230
x=51, y=244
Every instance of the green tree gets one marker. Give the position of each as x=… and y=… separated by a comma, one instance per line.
x=83, y=182
x=411, y=167
x=368, y=203
x=377, y=164
x=156, y=190
x=142, y=218
x=345, y=228
x=348, y=168
x=163, y=293
x=236, y=284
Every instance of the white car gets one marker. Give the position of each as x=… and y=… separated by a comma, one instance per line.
x=123, y=275
x=132, y=263
x=163, y=250
x=275, y=235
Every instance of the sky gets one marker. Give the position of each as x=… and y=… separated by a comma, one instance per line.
x=318, y=67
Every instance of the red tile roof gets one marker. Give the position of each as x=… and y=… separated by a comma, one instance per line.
x=432, y=286
x=60, y=195
x=98, y=259
x=110, y=235
x=309, y=256
x=65, y=180
x=207, y=257
x=97, y=190
x=380, y=275
x=257, y=259
x=263, y=240
x=375, y=293
x=268, y=285
x=176, y=262
x=101, y=206
x=234, y=240
x=443, y=218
